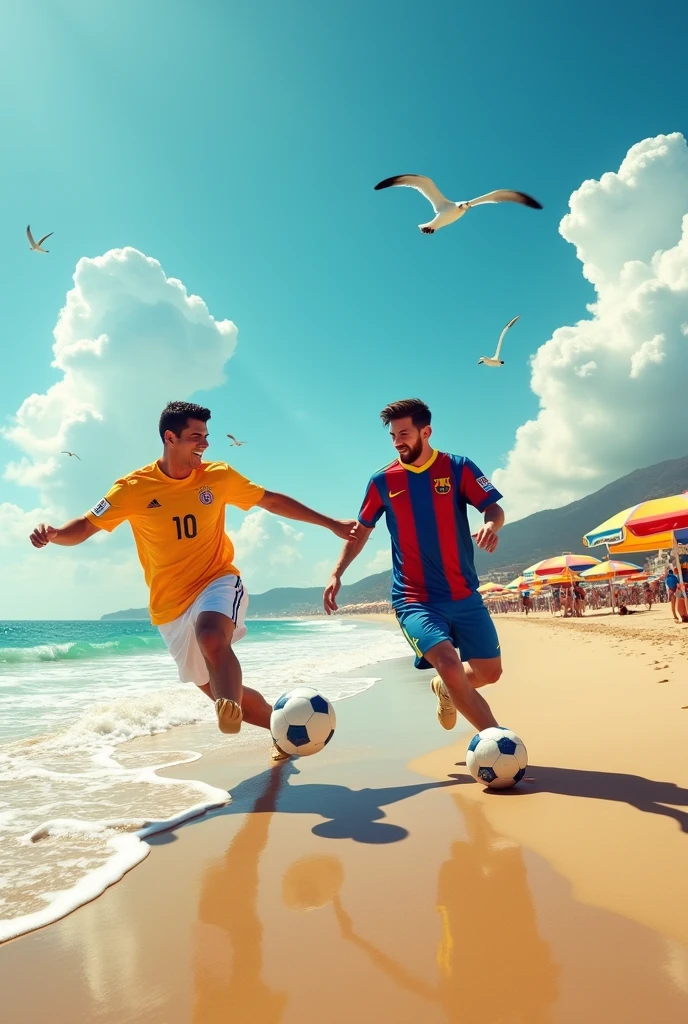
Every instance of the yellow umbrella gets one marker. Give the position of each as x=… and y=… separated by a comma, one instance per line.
x=491, y=588
x=653, y=525
x=610, y=570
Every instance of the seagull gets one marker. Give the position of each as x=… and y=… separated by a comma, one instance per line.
x=235, y=443
x=73, y=455
x=495, y=360
x=446, y=212
x=36, y=246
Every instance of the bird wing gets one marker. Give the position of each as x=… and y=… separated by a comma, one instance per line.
x=501, y=336
x=45, y=236
x=29, y=235
x=231, y=437
x=426, y=187
x=506, y=195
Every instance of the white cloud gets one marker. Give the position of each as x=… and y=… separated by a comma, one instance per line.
x=612, y=387
x=128, y=340
x=381, y=560
x=16, y=524
x=264, y=546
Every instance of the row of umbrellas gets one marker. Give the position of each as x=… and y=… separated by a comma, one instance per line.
x=657, y=524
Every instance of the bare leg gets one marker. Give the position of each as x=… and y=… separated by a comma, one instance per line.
x=466, y=700
x=214, y=633
x=482, y=671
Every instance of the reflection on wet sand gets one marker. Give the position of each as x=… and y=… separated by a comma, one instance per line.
x=227, y=958
x=493, y=964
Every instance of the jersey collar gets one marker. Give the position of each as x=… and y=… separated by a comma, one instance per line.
x=421, y=469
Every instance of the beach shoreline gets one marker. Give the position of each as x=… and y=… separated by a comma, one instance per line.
x=382, y=861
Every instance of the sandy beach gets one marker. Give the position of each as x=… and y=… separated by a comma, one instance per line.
x=378, y=880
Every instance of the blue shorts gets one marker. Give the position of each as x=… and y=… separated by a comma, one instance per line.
x=466, y=623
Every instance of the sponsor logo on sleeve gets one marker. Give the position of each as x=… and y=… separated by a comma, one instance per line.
x=483, y=482
x=102, y=506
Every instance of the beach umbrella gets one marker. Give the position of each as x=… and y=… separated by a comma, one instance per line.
x=521, y=583
x=656, y=524
x=491, y=588
x=529, y=573
x=611, y=570
x=563, y=577
x=567, y=562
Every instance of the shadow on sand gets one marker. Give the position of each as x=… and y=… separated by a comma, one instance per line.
x=643, y=794
x=348, y=813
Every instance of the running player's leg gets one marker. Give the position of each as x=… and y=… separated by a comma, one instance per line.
x=255, y=708
x=465, y=698
x=214, y=633
x=474, y=633
x=428, y=632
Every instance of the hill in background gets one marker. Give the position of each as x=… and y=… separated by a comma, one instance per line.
x=520, y=544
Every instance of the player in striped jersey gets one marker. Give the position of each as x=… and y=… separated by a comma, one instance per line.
x=424, y=495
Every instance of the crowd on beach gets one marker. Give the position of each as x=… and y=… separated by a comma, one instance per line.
x=573, y=599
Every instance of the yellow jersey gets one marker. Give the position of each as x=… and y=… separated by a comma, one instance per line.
x=179, y=528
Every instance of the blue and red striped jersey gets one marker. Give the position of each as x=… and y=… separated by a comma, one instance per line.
x=426, y=511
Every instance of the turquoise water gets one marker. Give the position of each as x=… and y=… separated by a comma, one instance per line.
x=51, y=673
x=75, y=802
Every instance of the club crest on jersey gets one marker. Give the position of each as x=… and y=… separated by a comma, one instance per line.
x=442, y=484
x=483, y=482
x=206, y=496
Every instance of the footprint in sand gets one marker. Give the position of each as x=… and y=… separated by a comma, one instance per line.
x=662, y=680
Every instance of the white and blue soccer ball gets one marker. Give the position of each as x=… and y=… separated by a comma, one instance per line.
x=497, y=757
x=302, y=721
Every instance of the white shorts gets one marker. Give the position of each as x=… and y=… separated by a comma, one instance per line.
x=225, y=595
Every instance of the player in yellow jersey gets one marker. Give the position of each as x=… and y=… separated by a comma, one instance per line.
x=176, y=509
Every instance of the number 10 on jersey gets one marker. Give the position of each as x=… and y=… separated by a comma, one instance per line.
x=186, y=527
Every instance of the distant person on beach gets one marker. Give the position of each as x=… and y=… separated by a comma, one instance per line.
x=424, y=495
x=176, y=509
x=671, y=581
x=681, y=602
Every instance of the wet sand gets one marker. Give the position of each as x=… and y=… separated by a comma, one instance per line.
x=378, y=881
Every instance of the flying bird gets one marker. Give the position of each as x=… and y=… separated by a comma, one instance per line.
x=446, y=212
x=495, y=360
x=36, y=246
x=73, y=455
x=234, y=441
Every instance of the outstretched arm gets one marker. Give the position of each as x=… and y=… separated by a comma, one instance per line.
x=283, y=505
x=76, y=531
x=352, y=548
x=486, y=537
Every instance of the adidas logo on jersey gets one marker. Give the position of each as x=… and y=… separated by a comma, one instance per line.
x=154, y=504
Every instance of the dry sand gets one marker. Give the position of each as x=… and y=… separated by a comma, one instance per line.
x=378, y=882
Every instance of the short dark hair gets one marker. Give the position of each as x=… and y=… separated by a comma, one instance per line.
x=176, y=415
x=413, y=407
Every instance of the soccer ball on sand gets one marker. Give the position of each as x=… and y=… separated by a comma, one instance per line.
x=302, y=721
x=497, y=757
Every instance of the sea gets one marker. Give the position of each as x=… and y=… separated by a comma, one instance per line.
x=77, y=797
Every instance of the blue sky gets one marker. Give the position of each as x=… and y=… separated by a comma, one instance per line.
x=238, y=144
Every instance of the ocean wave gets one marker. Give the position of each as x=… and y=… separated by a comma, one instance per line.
x=77, y=650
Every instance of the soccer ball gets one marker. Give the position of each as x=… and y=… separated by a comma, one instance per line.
x=302, y=721
x=497, y=757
